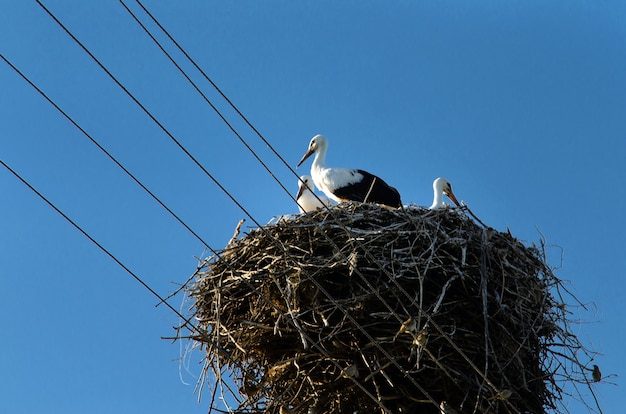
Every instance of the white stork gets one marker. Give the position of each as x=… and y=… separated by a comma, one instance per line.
x=442, y=186
x=344, y=184
x=307, y=201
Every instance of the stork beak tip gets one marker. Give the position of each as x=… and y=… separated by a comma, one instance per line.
x=452, y=197
x=304, y=157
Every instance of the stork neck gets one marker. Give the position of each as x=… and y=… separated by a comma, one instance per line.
x=318, y=161
x=438, y=199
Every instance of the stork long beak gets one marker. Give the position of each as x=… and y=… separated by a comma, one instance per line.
x=300, y=190
x=307, y=155
x=451, y=196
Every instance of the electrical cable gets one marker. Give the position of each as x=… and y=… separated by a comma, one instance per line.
x=192, y=328
x=207, y=100
x=107, y=153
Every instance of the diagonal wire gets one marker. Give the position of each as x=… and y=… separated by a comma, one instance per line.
x=192, y=328
x=217, y=111
x=214, y=85
x=107, y=153
x=148, y=113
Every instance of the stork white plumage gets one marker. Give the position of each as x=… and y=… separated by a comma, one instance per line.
x=307, y=201
x=442, y=186
x=345, y=184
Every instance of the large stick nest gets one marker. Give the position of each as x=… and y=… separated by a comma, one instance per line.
x=365, y=309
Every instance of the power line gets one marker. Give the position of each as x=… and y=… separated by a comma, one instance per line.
x=208, y=101
x=150, y=115
x=187, y=323
x=214, y=85
x=107, y=153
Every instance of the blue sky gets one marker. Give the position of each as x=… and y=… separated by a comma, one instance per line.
x=521, y=105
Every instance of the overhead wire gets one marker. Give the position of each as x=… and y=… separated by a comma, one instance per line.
x=107, y=153
x=148, y=113
x=214, y=85
x=187, y=323
x=221, y=93
x=207, y=100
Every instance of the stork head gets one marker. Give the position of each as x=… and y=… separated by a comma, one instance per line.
x=304, y=183
x=442, y=185
x=318, y=143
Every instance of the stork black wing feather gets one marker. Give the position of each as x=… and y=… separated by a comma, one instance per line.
x=371, y=189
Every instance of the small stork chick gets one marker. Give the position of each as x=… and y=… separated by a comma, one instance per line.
x=307, y=201
x=442, y=186
x=346, y=184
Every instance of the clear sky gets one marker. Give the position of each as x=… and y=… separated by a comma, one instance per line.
x=521, y=105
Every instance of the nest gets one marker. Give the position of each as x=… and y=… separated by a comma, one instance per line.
x=365, y=309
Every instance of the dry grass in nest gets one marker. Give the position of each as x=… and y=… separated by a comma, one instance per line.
x=365, y=309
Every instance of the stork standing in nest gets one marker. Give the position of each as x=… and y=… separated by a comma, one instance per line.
x=345, y=184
